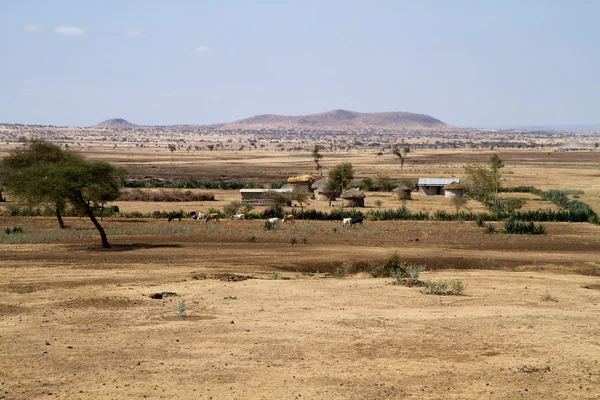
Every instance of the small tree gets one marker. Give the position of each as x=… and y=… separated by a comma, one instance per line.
x=42, y=172
x=30, y=174
x=458, y=202
x=299, y=195
x=398, y=153
x=317, y=158
x=378, y=203
x=339, y=178
x=277, y=198
x=495, y=165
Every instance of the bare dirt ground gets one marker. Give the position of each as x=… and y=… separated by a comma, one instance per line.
x=78, y=322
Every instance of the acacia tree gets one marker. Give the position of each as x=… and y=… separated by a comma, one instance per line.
x=400, y=154
x=59, y=176
x=495, y=165
x=30, y=174
x=339, y=178
x=317, y=158
x=483, y=180
x=299, y=195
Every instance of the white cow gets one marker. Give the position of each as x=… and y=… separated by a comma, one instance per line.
x=200, y=215
x=238, y=217
x=347, y=222
x=274, y=222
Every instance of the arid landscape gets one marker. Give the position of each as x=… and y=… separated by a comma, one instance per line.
x=230, y=310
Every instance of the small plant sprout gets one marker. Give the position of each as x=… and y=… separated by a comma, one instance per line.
x=252, y=238
x=274, y=276
x=293, y=240
x=304, y=240
x=342, y=270
x=181, y=306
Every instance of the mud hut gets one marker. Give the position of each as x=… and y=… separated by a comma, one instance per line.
x=355, y=197
x=403, y=192
x=320, y=190
x=304, y=182
x=454, y=189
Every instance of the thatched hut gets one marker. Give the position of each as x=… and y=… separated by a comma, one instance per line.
x=355, y=197
x=403, y=192
x=320, y=190
x=454, y=189
x=304, y=182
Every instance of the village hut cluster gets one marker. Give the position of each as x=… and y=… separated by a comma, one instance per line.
x=353, y=197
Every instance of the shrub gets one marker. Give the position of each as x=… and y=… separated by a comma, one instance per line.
x=342, y=270
x=489, y=228
x=521, y=227
x=181, y=309
x=232, y=208
x=165, y=195
x=455, y=287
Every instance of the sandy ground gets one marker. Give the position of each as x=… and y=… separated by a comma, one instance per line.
x=77, y=322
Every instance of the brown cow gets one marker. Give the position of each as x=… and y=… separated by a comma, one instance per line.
x=212, y=217
x=289, y=218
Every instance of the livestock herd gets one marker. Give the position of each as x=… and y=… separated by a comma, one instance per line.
x=268, y=214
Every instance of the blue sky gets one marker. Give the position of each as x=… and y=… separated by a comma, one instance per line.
x=468, y=63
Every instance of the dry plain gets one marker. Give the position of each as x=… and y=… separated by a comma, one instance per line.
x=77, y=321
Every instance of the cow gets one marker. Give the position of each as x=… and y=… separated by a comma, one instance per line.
x=274, y=222
x=356, y=220
x=346, y=221
x=289, y=218
x=238, y=217
x=212, y=217
x=335, y=217
x=199, y=215
x=175, y=215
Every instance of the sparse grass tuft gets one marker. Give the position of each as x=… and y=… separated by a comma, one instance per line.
x=181, y=306
x=342, y=270
x=455, y=287
x=548, y=297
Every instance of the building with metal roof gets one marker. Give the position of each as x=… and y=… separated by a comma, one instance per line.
x=434, y=186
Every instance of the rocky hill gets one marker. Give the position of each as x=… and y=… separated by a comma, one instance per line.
x=339, y=120
x=115, y=123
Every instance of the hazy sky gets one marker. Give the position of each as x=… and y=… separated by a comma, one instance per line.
x=468, y=63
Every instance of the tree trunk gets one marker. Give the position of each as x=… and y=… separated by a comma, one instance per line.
x=59, y=217
x=90, y=213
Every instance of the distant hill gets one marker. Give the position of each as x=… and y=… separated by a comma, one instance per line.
x=115, y=123
x=338, y=120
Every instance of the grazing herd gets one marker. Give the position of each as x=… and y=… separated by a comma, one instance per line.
x=268, y=214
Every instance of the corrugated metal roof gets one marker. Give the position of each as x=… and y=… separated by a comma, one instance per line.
x=437, y=181
x=265, y=190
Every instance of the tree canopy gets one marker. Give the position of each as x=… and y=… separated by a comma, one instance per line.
x=43, y=173
x=340, y=177
x=483, y=180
